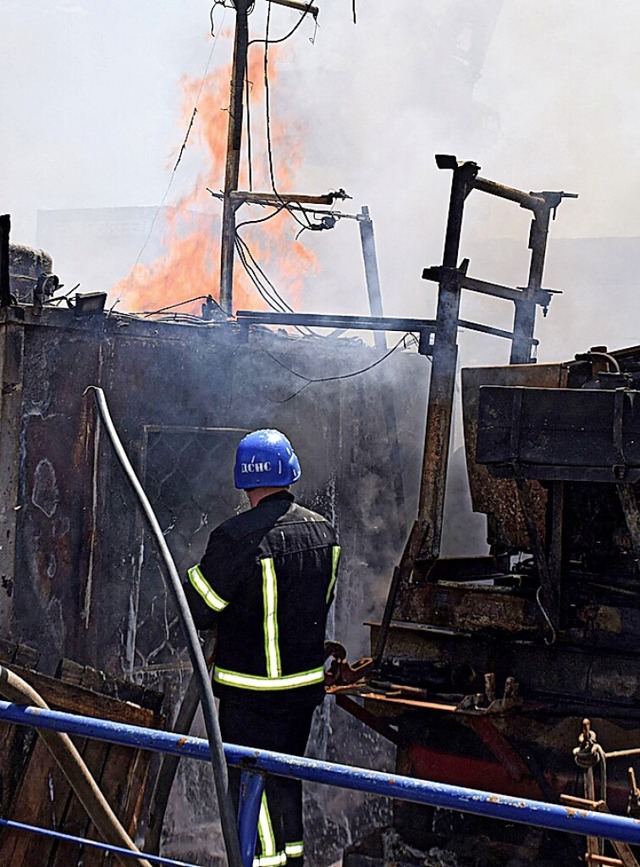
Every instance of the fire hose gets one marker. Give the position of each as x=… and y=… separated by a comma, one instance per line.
x=72, y=765
x=218, y=761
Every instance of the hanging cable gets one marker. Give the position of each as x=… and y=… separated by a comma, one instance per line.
x=278, y=208
x=310, y=380
x=172, y=306
x=270, y=295
x=272, y=301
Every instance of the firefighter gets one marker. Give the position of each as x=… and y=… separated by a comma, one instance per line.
x=266, y=581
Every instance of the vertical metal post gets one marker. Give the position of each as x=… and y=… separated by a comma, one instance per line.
x=5, y=284
x=11, y=381
x=234, y=144
x=370, y=258
x=368, y=241
x=251, y=789
x=524, y=320
x=443, y=372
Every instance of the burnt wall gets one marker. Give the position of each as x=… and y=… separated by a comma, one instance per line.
x=86, y=581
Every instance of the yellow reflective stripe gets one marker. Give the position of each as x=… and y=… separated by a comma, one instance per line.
x=278, y=860
x=294, y=850
x=254, y=681
x=265, y=830
x=202, y=586
x=269, y=857
x=335, y=558
x=270, y=606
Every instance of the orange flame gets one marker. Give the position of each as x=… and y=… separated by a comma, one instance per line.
x=191, y=265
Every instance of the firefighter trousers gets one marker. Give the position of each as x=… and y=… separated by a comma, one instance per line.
x=282, y=724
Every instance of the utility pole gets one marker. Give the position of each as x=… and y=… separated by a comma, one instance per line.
x=232, y=198
x=234, y=144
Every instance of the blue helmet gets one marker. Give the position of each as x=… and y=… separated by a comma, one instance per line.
x=265, y=459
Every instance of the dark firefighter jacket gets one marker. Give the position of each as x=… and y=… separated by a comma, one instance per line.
x=267, y=580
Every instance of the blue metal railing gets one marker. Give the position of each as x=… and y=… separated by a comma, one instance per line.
x=258, y=763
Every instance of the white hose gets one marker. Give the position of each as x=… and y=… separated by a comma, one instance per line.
x=218, y=761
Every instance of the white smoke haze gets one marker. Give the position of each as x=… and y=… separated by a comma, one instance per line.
x=539, y=95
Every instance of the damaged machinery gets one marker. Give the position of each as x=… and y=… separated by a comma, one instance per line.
x=496, y=672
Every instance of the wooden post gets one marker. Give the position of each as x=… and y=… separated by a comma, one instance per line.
x=234, y=144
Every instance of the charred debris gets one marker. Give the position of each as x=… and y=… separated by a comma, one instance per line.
x=81, y=579
x=483, y=671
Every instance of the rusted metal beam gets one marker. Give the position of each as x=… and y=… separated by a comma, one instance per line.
x=364, y=716
x=400, y=574
x=542, y=205
x=410, y=702
x=496, y=290
x=508, y=756
x=625, y=856
x=425, y=327
x=530, y=201
x=443, y=373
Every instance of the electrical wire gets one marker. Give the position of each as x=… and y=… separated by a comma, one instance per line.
x=266, y=41
x=172, y=306
x=262, y=219
x=271, y=295
x=267, y=108
x=184, y=144
x=311, y=380
x=252, y=272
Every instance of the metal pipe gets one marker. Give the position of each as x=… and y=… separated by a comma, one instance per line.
x=216, y=752
x=330, y=320
x=361, y=323
x=491, y=805
x=525, y=200
x=251, y=789
x=94, y=844
x=372, y=277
